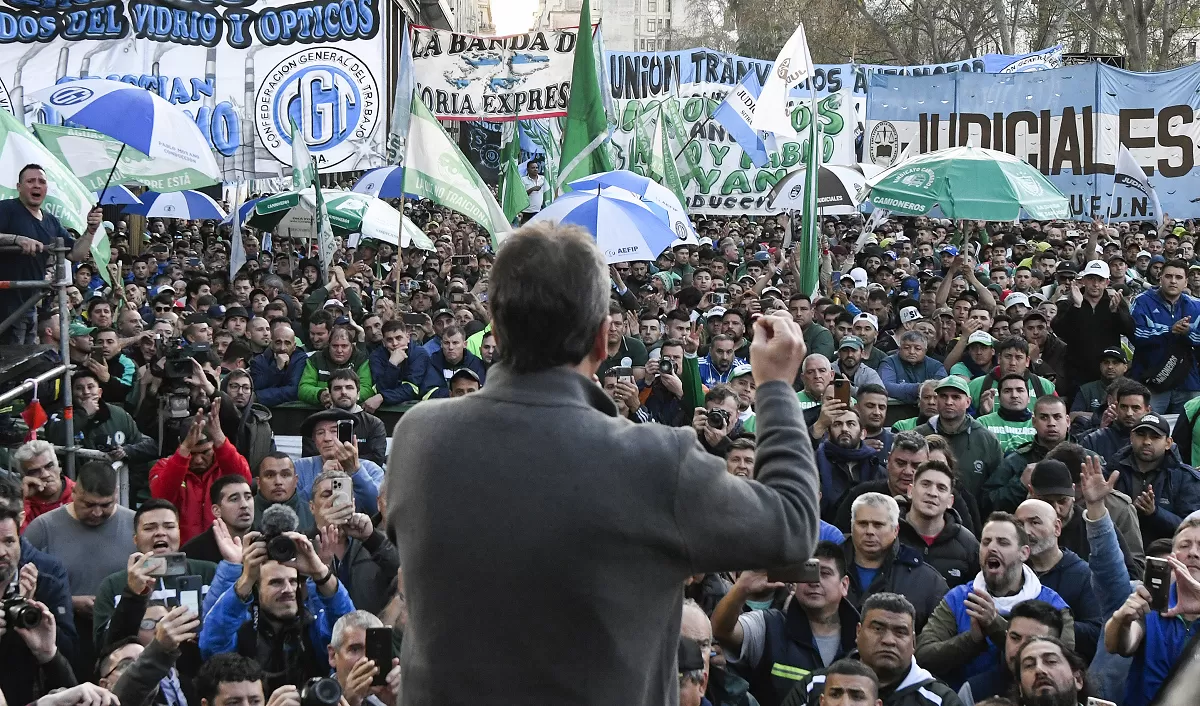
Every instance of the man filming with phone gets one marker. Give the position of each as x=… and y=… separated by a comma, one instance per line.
x=331, y=432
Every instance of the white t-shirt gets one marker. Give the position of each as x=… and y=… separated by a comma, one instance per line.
x=537, y=196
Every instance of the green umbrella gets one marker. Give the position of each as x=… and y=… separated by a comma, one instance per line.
x=968, y=183
x=291, y=214
x=66, y=198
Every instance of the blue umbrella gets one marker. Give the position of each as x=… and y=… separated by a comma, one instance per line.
x=651, y=191
x=625, y=227
x=382, y=183
x=118, y=195
x=243, y=212
x=180, y=204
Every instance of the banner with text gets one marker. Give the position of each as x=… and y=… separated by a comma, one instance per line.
x=1068, y=122
x=465, y=77
x=240, y=68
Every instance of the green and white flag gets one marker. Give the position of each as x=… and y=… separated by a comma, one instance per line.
x=304, y=170
x=807, y=252
x=90, y=156
x=102, y=254
x=586, y=130
x=67, y=198
x=513, y=197
x=546, y=133
x=324, y=230
x=437, y=170
x=678, y=126
x=662, y=160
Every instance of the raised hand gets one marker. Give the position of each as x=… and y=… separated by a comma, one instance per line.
x=777, y=349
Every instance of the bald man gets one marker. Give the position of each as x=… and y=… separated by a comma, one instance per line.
x=1062, y=570
x=696, y=626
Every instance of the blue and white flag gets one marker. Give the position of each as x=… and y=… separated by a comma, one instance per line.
x=734, y=114
x=402, y=101
x=1128, y=173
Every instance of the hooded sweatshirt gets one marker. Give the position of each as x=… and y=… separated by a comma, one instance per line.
x=918, y=688
x=977, y=450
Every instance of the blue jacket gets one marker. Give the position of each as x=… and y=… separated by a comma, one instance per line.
x=365, y=481
x=273, y=386
x=709, y=375
x=53, y=589
x=228, y=613
x=1152, y=337
x=835, y=483
x=903, y=380
x=1176, y=491
x=441, y=371
x=1162, y=646
x=411, y=380
x=1071, y=579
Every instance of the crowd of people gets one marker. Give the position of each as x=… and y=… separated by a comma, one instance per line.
x=1002, y=420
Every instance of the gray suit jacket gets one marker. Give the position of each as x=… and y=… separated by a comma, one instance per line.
x=574, y=530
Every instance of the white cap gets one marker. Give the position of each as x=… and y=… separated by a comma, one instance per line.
x=910, y=313
x=715, y=311
x=869, y=318
x=333, y=302
x=1095, y=267
x=859, y=275
x=1016, y=298
x=981, y=337
x=706, y=241
x=1141, y=254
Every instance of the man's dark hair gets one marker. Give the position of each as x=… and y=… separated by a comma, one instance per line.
x=27, y=167
x=740, y=313
x=8, y=513
x=1177, y=264
x=843, y=318
x=106, y=651
x=1022, y=536
x=393, y=325
x=237, y=350
x=97, y=478
x=835, y=310
x=910, y=441
x=828, y=550
x=452, y=330
x=1039, y=611
x=672, y=343
x=194, y=285
x=1160, y=547
x=678, y=315
x=935, y=466
x=156, y=504
x=344, y=374
x=11, y=495
x=1048, y=400
x=217, y=489
x=225, y=668
x=740, y=443
x=871, y=389
x=321, y=316
x=890, y=602
x=239, y=373
x=96, y=301
x=548, y=293
x=1074, y=661
x=800, y=297
x=1133, y=387
x=1071, y=454
x=720, y=393
x=1010, y=376
x=854, y=668
x=1012, y=342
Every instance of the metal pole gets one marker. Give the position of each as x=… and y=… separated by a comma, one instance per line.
x=28, y=385
x=21, y=311
x=399, y=249
x=64, y=349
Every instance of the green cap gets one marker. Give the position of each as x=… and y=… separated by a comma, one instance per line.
x=78, y=328
x=956, y=382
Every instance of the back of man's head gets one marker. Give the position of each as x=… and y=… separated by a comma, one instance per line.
x=549, y=293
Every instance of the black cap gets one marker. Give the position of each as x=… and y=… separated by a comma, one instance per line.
x=466, y=372
x=325, y=415
x=1115, y=354
x=1051, y=477
x=1155, y=422
x=690, y=657
x=237, y=310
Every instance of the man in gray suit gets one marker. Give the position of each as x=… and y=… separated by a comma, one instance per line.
x=570, y=530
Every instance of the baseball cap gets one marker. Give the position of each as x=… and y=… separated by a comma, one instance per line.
x=333, y=302
x=943, y=311
x=1036, y=314
x=1115, y=354
x=715, y=311
x=875, y=286
x=859, y=275
x=949, y=250
x=910, y=313
x=1143, y=253
x=954, y=382
x=236, y=311
x=869, y=318
x=771, y=289
x=981, y=337
x=79, y=329
x=740, y=370
x=1155, y=422
x=1157, y=258
x=465, y=372
x=1098, y=268
x=441, y=312
x=1016, y=298
x=1042, y=246
x=851, y=342
x=1052, y=477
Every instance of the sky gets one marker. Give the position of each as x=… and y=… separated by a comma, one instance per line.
x=513, y=16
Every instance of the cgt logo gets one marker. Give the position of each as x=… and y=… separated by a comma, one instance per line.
x=70, y=95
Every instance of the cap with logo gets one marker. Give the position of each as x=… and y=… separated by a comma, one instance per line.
x=442, y=312
x=1097, y=268
x=910, y=313
x=1155, y=423
x=981, y=337
x=1114, y=354
x=851, y=342
x=79, y=329
x=950, y=250
x=1016, y=298
x=740, y=370
x=714, y=312
x=868, y=318
x=333, y=303
x=954, y=382
x=859, y=275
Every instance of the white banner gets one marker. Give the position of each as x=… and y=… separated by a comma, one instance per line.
x=240, y=68
x=465, y=77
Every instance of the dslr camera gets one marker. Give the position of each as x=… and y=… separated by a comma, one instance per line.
x=321, y=691
x=717, y=418
x=666, y=366
x=19, y=612
x=281, y=549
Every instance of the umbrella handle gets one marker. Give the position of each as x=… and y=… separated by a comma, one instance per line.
x=110, y=174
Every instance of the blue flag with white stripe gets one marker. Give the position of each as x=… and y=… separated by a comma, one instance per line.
x=734, y=114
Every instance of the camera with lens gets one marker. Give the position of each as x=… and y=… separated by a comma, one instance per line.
x=18, y=612
x=279, y=547
x=666, y=366
x=717, y=418
x=321, y=691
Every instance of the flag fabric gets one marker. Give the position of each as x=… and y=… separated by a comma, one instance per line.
x=513, y=197
x=402, y=101
x=808, y=253
x=792, y=67
x=544, y=134
x=237, y=249
x=102, y=254
x=662, y=160
x=1128, y=173
x=586, y=128
x=304, y=171
x=735, y=113
x=691, y=170
x=324, y=231
x=435, y=169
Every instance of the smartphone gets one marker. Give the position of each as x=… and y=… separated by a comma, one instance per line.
x=1094, y=701
x=379, y=651
x=173, y=564
x=624, y=373
x=458, y=298
x=341, y=491
x=1072, y=233
x=841, y=390
x=1157, y=581
x=345, y=429
x=189, y=592
x=414, y=320
x=718, y=298
x=808, y=572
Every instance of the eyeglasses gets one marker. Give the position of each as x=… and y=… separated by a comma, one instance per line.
x=119, y=666
x=239, y=388
x=162, y=308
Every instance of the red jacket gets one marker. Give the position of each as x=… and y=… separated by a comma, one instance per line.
x=33, y=508
x=171, y=480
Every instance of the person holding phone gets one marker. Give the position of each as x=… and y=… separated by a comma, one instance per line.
x=321, y=430
x=368, y=675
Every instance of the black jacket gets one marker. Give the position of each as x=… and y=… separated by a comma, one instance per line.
x=1087, y=331
x=1106, y=442
x=964, y=505
x=954, y=553
x=372, y=439
x=902, y=572
x=789, y=651
x=917, y=688
x=367, y=570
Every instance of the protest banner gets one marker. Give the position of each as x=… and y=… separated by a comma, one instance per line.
x=240, y=68
x=1068, y=122
x=520, y=76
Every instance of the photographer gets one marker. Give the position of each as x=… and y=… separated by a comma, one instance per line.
x=368, y=429
x=280, y=613
x=716, y=423
x=186, y=477
x=322, y=430
x=182, y=380
x=674, y=378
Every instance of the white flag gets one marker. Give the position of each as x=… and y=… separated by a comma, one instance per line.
x=792, y=67
x=1128, y=173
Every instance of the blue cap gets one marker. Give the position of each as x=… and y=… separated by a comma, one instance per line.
x=950, y=250
x=1157, y=258
x=762, y=256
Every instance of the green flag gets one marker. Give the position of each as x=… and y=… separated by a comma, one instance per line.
x=586, y=128
x=66, y=198
x=304, y=170
x=435, y=169
x=807, y=253
x=678, y=127
x=91, y=155
x=102, y=254
x=662, y=160
x=513, y=196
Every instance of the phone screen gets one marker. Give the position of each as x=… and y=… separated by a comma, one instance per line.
x=1158, y=582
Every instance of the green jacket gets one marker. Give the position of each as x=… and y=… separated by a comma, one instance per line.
x=976, y=449
x=906, y=424
x=113, y=586
x=475, y=342
x=1011, y=434
x=818, y=339
x=318, y=368
x=109, y=428
x=1043, y=387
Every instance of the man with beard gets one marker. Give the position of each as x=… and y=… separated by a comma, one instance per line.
x=961, y=638
x=244, y=420
x=1132, y=403
x=843, y=461
x=866, y=327
x=340, y=354
x=976, y=449
x=1063, y=571
x=277, y=371
x=716, y=367
x=368, y=429
x=258, y=334
x=872, y=413
x=850, y=364
x=1164, y=489
x=885, y=637
x=1051, y=674
x=1026, y=621
x=932, y=528
x=233, y=506
x=277, y=485
x=1092, y=398
x=1008, y=486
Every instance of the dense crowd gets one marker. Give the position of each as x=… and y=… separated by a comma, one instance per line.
x=1002, y=418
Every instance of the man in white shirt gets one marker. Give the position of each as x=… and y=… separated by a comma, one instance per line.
x=535, y=186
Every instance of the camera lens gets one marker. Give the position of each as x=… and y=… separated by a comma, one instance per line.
x=321, y=691
x=281, y=549
x=717, y=418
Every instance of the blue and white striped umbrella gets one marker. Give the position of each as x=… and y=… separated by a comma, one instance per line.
x=179, y=204
x=649, y=190
x=382, y=183
x=135, y=117
x=118, y=195
x=243, y=212
x=625, y=227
